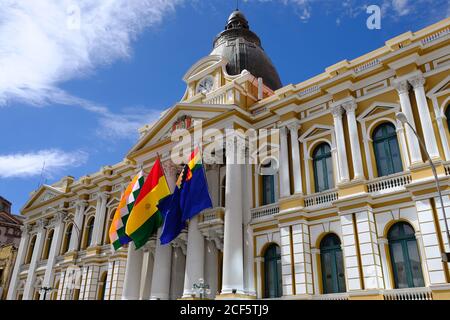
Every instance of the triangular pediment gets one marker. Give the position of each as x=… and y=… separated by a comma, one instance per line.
x=441, y=88
x=178, y=117
x=378, y=109
x=316, y=131
x=43, y=194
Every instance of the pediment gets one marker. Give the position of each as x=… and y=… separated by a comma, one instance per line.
x=43, y=194
x=316, y=131
x=441, y=88
x=378, y=109
x=204, y=66
x=181, y=116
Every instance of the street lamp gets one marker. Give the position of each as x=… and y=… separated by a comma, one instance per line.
x=402, y=118
x=45, y=289
x=201, y=288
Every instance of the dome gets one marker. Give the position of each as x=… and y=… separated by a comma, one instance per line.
x=242, y=48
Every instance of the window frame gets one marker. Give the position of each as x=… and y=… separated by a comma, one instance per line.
x=322, y=158
x=332, y=251
x=386, y=141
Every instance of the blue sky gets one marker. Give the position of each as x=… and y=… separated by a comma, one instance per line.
x=77, y=79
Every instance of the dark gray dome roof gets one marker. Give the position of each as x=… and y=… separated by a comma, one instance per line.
x=242, y=48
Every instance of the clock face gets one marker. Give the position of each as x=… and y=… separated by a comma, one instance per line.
x=205, y=85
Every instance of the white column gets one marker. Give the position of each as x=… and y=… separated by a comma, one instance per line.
x=211, y=267
x=259, y=275
x=19, y=261
x=39, y=244
x=78, y=224
x=382, y=243
x=351, y=262
x=146, y=279
x=194, y=258
x=132, y=282
x=405, y=103
x=233, y=273
x=285, y=190
x=424, y=114
x=286, y=262
x=249, y=279
x=99, y=221
x=296, y=168
x=302, y=259
x=340, y=144
x=58, y=224
x=315, y=254
x=403, y=146
x=161, y=271
x=442, y=130
x=178, y=266
x=350, y=108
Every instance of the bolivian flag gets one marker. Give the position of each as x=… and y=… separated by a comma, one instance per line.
x=145, y=217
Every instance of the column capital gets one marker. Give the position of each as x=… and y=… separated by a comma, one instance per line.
x=383, y=241
x=350, y=106
x=315, y=251
x=80, y=204
x=417, y=81
x=58, y=218
x=402, y=86
x=40, y=225
x=26, y=228
x=102, y=195
x=293, y=126
x=337, y=111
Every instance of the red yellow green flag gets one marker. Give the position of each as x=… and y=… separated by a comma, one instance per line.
x=145, y=218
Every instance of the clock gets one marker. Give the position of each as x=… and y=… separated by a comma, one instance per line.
x=205, y=85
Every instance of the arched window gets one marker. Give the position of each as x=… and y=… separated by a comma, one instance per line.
x=88, y=233
x=333, y=276
x=387, y=152
x=272, y=272
x=268, y=186
x=323, y=168
x=102, y=286
x=48, y=244
x=405, y=257
x=67, y=236
x=30, y=250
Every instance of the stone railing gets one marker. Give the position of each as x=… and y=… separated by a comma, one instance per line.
x=332, y=296
x=265, y=211
x=435, y=36
x=367, y=65
x=321, y=198
x=219, y=99
x=447, y=168
x=213, y=214
x=389, y=183
x=408, y=294
x=309, y=90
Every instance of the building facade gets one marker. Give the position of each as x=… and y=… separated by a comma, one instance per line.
x=352, y=213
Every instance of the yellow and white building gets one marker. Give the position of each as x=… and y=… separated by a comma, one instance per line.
x=353, y=212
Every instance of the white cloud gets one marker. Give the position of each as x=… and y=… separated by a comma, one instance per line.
x=402, y=7
x=30, y=164
x=48, y=41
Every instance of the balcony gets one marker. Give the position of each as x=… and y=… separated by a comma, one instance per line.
x=331, y=296
x=388, y=184
x=212, y=215
x=321, y=199
x=265, y=212
x=408, y=294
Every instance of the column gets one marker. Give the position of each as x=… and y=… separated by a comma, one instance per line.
x=29, y=285
x=178, y=271
x=442, y=130
x=23, y=246
x=286, y=262
x=58, y=224
x=427, y=225
x=350, y=108
x=146, y=279
x=402, y=142
x=233, y=259
x=315, y=254
x=194, y=258
x=259, y=276
x=302, y=259
x=424, y=114
x=132, y=281
x=161, y=271
x=249, y=278
x=284, y=164
x=351, y=262
x=405, y=103
x=383, y=243
x=99, y=221
x=90, y=282
x=78, y=225
x=296, y=168
x=340, y=144
x=368, y=249
x=211, y=267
